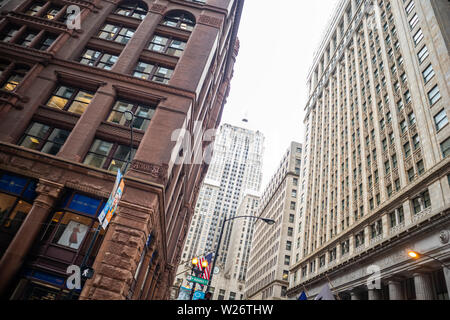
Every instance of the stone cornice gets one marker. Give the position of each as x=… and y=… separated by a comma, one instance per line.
x=45, y=24
x=8, y=150
x=26, y=54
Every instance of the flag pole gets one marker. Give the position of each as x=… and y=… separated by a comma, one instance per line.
x=329, y=281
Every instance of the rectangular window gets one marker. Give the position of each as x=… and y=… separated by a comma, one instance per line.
x=420, y=167
x=423, y=54
x=98, y=59
x=108, y=155
x=70, y=99
x=428, y=73
x=414, y=20
x=167, y=45
x=116, y=33
x=44, y=138
x=407, y=149
x=416, y=141
x=434, y=95
x=143, y=114
x=440, y=119
x=411, y=174
x=152, y=72
x=445, y=148
x=418, y=37
x=410, y=7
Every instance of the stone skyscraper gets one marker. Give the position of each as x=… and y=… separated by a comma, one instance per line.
x=273, y=246
x=234, y=172
x=376, y=172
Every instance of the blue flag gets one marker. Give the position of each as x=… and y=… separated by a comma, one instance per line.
x=302, y=296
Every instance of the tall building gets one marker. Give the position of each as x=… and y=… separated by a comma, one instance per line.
x=234, y=172
x=67, y=82
x=273, y=246
x=376, y=155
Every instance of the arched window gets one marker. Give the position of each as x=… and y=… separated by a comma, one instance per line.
x=135, y=9
x=180, y=20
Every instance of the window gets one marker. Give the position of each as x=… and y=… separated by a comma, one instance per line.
x=291, y=218
x=287, y=260
x=434, y=95
x=440, y=120
x=403, y=126
x=98, y=59
x=411, y=174
x=116, y=33
x=428, y=73
x=168, y=45
x=414, y=20
x=410, y=7
x=288, y=245
x=152, y=72
x=407, y=149
x=134, y=9
x=416, y=141
x=445, y=148
x=397, y=185
x=387, y=167
x=70, y=99
x=14, y=76
x=108, y=155
x=44, y=138
x=34, y=8
x=418, y=37
x=46, y=41
x=423, y=54
x=376, y=229
x=394, y=161
x=412, y=118
x=179, y=20
x=389, y=190
x=143, y=114
x=292, y=205
x=420, y=167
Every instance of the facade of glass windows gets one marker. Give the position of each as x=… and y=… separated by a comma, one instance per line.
x=65, y=92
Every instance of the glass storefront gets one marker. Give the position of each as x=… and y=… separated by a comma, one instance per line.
x=16, y=198
x=63, y=241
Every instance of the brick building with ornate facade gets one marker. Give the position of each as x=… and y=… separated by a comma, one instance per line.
x=64, y=95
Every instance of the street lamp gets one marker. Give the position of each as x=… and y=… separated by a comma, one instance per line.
x=129, y=116
x=195, y=264
x=268, y=221
x=416, y=255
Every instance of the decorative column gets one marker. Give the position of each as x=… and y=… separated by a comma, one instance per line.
x=395, y=290
x=15, y=255
x=447, y=278
x=422, y=283
x=374, y=294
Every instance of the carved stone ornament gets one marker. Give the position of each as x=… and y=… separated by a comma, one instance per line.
x=444, y=236
x=156, y=171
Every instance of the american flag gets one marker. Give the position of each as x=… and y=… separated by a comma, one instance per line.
x=206, y=272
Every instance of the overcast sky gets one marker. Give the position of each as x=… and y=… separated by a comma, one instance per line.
x=277, y=44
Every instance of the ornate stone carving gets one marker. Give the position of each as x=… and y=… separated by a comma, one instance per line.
x=444, y=236
x=210, y=21
x=156, y=171
x=157, y=8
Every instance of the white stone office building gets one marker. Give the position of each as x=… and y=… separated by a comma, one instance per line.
x=376, y=155
x=234, y=172
x=272, y=249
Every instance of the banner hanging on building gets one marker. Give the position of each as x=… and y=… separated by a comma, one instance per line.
x=110, y=208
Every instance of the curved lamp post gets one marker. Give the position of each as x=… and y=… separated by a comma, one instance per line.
x=416, y=255
x=268, y=221
x=129, y=116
